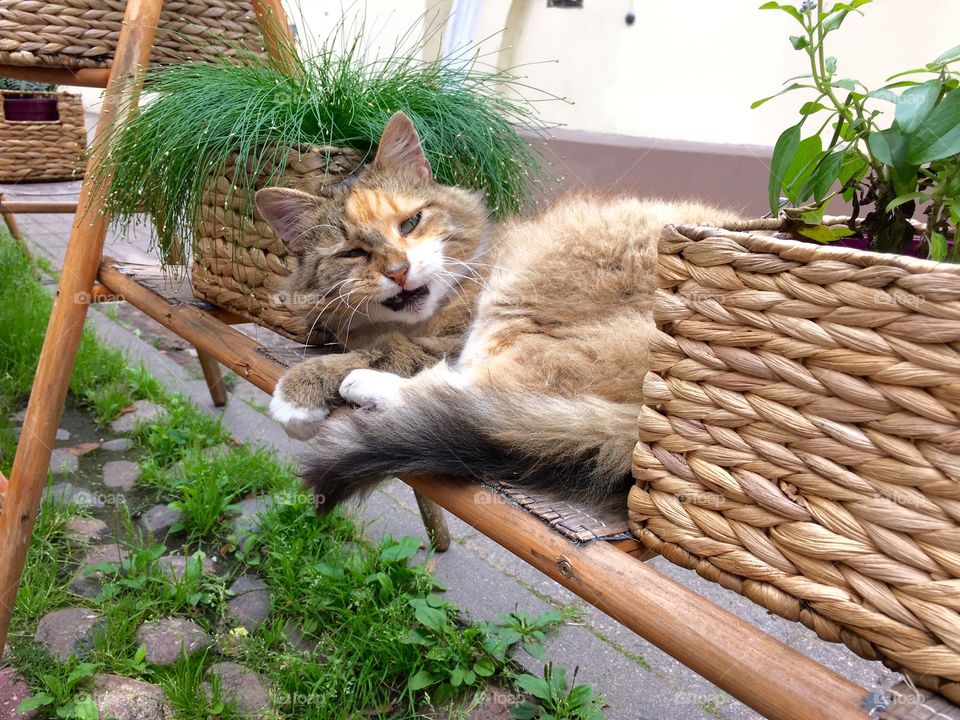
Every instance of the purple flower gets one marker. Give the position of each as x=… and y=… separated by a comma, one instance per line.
x=807, y=5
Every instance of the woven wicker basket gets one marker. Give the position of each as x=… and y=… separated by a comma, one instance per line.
x=802, y=440
x=84, y=33
x=32, y=151
x=239, y=263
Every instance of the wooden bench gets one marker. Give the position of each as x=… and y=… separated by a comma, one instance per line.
x=770, y=677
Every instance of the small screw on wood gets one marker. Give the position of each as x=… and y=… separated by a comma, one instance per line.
x=566, y=570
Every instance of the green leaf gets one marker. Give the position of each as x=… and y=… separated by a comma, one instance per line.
x=79, y=672
x=401, y=551
x=799, y=42
x=525, y=710
x=824, y=234
x=32, y=703
x=581, y=695
x=789, y=9
x=484, y=667
x=811, y=107
x=915, y=103
x=939, y=136
x=534, y=648
x=884, y=94
x=830, y=66
x=948, y=56
x=783, y=153
x=537, y=687
x=431, y=617
x=845, y=84
x=421, y=680
x=825, y=174
x=938, y=246
x=888, y=146
x=788, y=88
x=457, y=676
x=898, y=201
x=808, y=154
x=86, y=709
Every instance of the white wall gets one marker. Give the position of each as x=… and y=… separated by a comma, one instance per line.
x=685, y=70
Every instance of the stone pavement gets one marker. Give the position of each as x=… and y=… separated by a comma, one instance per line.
x=639, y=681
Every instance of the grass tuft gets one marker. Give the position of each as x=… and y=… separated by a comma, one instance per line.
x=204, y=113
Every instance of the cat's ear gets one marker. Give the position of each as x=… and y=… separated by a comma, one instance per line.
x=400, y=151
x=284, y=210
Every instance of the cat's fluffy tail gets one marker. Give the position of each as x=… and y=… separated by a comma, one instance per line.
x=576, y=449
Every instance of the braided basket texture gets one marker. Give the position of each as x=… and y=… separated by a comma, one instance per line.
x=239, y=263
x=32, y=151
x=84, y=33
x=801, y=443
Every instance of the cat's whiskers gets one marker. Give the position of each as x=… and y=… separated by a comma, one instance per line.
x=366, y=300
x=454, y=288
x=337, y=287
x=315, y=227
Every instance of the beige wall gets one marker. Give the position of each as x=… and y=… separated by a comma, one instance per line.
x=686, y=69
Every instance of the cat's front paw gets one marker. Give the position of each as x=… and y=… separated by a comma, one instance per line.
x=298, y=421
x=372, y=388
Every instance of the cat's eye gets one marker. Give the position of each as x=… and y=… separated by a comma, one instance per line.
x=353, y=253
x=410, y=224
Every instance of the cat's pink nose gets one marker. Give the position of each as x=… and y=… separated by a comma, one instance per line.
x=398, y=273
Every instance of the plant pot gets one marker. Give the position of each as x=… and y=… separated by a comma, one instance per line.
x=41, y=136
x=239, y=263
x=28, y=108
x=800, y=440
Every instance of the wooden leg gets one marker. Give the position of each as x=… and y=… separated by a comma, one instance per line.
x=434, y=522
x=211, y=373
x=772, y=678
x=15, y=232
x=65, y=329
x=3, y=489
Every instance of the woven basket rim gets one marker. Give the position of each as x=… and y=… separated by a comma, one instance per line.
x=41, y=93
x=748, y=233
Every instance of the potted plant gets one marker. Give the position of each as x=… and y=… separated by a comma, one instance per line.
x=892, y=151
x=25, y=101
x=798, y=435
x=217, y=131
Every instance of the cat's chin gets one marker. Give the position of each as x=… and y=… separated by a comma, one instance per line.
x=410, y=307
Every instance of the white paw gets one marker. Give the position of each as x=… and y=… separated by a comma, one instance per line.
x=298, y=422
x=372, y=388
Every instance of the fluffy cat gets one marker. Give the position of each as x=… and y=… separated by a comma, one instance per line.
x=385, y=267
x=546, y=391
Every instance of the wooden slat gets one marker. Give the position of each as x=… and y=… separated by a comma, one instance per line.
x=772, y=678
x=85, y=77
x=27, y=206
x=198, y=327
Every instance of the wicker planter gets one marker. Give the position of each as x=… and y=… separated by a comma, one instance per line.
x=240, y=264
x=43, y=150
x=802, y=440
x=67, y=33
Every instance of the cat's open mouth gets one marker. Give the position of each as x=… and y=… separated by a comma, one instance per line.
x=407, y=299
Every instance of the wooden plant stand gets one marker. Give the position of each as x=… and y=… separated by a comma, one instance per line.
x=767, y=675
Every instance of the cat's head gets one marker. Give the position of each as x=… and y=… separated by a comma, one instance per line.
x=390, y=245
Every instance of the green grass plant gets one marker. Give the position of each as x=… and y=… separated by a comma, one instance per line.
x=204, y=113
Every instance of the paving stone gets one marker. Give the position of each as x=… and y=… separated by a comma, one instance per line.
x=143, y=411
x=167, y=639
x=120, y=474
x=83, y=531
x=68, y=631
x=13, y=691
x=63, y=434
x=251, y=602
x=63, y=462
x=117, y=445
x=174, y=566
x=160, y=518
x=123, y=698
x=64, y=492
x=248, y=690
x=88, y=584
x=20, y=416
x=248, y=517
